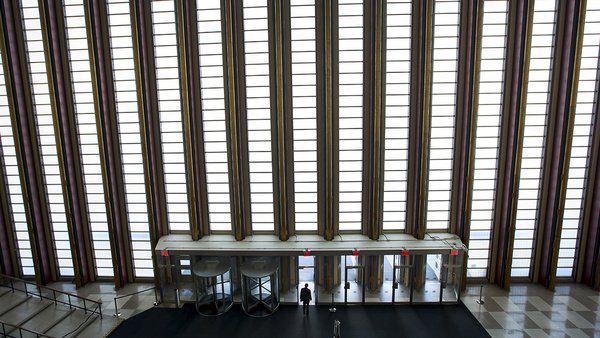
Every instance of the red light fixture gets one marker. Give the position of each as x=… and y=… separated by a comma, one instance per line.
x=404, y=252
x=355, y=252
x=454, y=252
x=306, y=253
x=165, y=253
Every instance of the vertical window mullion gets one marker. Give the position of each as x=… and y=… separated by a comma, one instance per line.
x=45, y=133
x=13, y=180
x=256, y=56
x=304, y=102
x=443, y=112
x=582, y=135
x=489, y=112
x=533, y=136
x=121, y=43
x=170, y=115
x=397, y=113
x=350, y=34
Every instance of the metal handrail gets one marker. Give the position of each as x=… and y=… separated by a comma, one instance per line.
x=54, y=293
x=6, y=325
x=156, y=302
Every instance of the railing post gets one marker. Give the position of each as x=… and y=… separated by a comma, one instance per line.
x=25, y=287
x=155, y=297
x=117, y=314
x=12, y=286
x=54, y=295
x=100, y=309
x=84, y=307
x=69, y=298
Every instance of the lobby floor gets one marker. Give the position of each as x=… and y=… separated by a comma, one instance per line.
x=527, y=310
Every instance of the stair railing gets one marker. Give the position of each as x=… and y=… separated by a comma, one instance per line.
x=7, y=329
x=13, y=282
x=156, y=302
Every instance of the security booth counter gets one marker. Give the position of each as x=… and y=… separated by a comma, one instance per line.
x=400, y=269
x=260, y=286
x=214, y=289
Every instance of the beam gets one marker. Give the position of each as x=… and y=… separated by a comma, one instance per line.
x=466, y=119
x=145, y=79
x=557, y=150
x=327, y=117
x=418, y=138
x=520, y=14
x=282, y=132
x=20, y=100
x=374, y=117
x=65, y=131
x=236, y=121
x=187, y=32
x=464, y=145
x=108, y=139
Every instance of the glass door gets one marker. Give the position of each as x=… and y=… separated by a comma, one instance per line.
x=354, y=276
x=306, y=275
x=451, y=273
x=427, y=281
x=402, y=279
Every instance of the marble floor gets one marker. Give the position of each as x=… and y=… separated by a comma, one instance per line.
x=526, y=310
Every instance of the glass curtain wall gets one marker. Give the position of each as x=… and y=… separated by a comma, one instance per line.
x=446, y=19
x=397, y=113
x=487, y=134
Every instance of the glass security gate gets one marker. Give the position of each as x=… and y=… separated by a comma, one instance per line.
x=354, y=276
x=402, y=280
x=451, y=274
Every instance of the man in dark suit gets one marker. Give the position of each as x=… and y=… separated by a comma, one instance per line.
x=305, y=298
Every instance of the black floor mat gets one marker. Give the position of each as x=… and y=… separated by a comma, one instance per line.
x=378, y=321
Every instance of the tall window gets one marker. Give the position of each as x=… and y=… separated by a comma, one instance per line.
x=169, y=107
x=397, y=113
x=489, y=111
x=256, y=55
x=13, y=181
x=47, y=141
x=79, y=62
x=533, y=138
x=304, y=93
x=443, y=110
x=121, y=44
x=213, y=113
x=582, y=133
x=350, y=122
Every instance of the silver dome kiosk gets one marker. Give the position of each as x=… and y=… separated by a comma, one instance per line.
x=214, y=290
x=260, y=286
